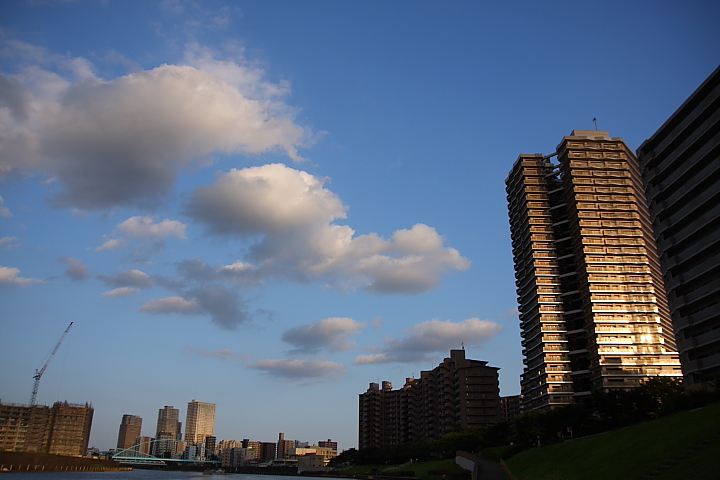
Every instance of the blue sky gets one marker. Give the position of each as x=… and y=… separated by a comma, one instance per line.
x=268, y=205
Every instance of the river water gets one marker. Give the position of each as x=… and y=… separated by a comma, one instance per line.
x=139, y=474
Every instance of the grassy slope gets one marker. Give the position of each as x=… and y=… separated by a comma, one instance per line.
x=630, y=452
x=421, y=468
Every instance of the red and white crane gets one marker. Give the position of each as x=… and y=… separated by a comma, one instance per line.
x=39, y=373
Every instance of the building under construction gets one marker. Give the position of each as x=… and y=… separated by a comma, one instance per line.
x=63, y=429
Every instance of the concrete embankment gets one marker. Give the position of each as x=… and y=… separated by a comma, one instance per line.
x=42, y=462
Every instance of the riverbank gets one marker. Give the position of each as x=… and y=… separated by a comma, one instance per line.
x=43, y=462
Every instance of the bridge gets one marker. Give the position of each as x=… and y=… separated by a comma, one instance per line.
x=164, y=454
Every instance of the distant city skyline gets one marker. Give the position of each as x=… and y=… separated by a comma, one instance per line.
x=199, y=425
x=283, y=202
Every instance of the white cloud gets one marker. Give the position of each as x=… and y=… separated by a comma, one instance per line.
x=6, y=243
x=147, y=227
x=266, y=199
x=4, y=211
x=328, y=333
x=292, y=213
x=170, y=305
x=9, y=276
x=304, y=371
x=112, y=243
x=425, y=339
x=122, y=141
x=120, y=292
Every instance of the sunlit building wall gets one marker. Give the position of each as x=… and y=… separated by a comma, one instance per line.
x=592, y=305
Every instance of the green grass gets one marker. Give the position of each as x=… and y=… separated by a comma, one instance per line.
x=421, y=469
x=631, y=452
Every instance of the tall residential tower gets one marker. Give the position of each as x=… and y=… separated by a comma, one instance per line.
x=592, y=305
x=200, y=421
x=167, y=432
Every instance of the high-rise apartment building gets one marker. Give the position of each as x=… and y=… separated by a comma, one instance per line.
x=63, y=429
x=168, y=432
x=284, y=446
x=130, y=427
x=200, y=421
x=681, y=169
x=458, y=393
x=592, y=306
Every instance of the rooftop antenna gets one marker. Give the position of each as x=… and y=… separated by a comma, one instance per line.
x=595, y=122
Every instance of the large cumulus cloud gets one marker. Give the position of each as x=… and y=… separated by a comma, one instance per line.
x=122, y=141
x=290, y=215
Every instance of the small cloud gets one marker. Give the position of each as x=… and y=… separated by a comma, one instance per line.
x=4, y=211
x=120, y=292
x=145, y=229
x=425, y=340
x=222, y=354
x=513, y=312
x=6, y=243
x=9, y=276
x=170, y=305
x=112, y=243
x=75, y=270
x=328, y=333
x=301, y=371
x=148, y=228
x=127, y=278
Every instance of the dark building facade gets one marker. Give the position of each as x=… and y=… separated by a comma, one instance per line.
x=510, y=407
x=63, y=429
x=681, y=171
x=592, y=307
x=458, y=393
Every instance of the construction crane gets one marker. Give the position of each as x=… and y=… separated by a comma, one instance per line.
x=39, y=373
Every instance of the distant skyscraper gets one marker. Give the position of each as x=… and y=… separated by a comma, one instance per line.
x=200, y=421
x=593, y=310
x=681, y=169
x=130, y=427
x=167, y=432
